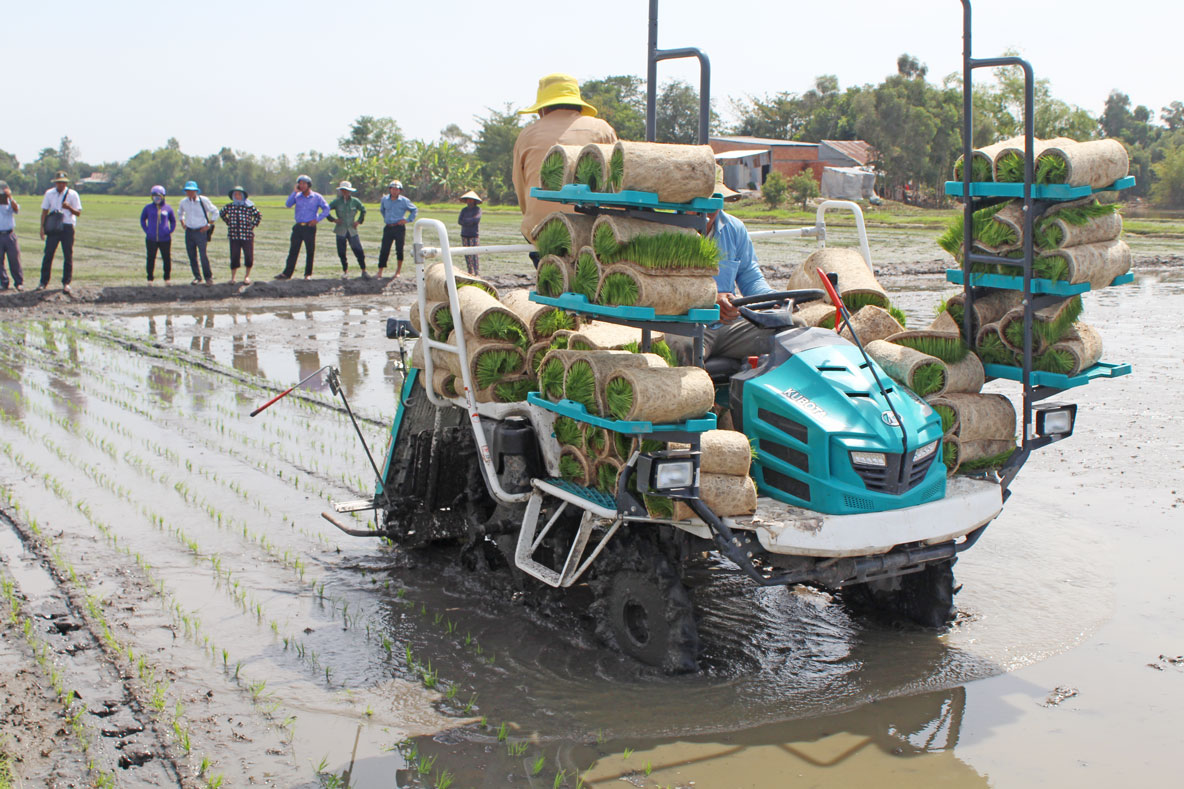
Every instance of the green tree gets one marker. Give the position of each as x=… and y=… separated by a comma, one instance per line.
x=10, y=171
x=803, y=187
x=370, y=136
x=778, y=117
x=1173, y=116
x=620, y=101
x=1168, y=189
x=678, y=113
x=494, y=150
x=774, y=189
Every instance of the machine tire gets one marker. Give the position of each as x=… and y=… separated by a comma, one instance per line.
x=648, y=615
x=924, y=598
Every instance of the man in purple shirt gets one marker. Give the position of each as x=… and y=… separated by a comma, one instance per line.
x=311, y=208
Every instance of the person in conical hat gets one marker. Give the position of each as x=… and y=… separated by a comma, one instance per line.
x=469, y=220
x=347, y=213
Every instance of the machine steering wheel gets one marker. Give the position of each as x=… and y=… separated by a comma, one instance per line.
x=772, y=310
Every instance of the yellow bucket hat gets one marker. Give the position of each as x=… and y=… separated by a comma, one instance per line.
x=559, y=89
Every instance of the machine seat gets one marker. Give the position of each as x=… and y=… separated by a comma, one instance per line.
x=721, y=368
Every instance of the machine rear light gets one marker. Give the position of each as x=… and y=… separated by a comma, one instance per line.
x=875, y=459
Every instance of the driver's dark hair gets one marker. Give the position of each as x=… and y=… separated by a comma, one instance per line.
x=575, y=107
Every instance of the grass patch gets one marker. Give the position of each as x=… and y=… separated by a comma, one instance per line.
x=571, y=470
x=553, y=239
x=1048, y=332
x=928, y=378
x=554, y=320
x=551, y=171
x=503, y=326
x=992, y=350
x=663, y=250
x=550, y=279
x=493, y=366
x=947, y=417
x=618, y=396
x=993, y=461
x=606, y=478
x=513, y=391
x=589, y=171
x=551, y=379
x=619, y=289
x=949, y=349
x=587, y=276
x=568, y=433
x=580, y=385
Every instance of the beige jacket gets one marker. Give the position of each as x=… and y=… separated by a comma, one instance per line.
x=558, y=126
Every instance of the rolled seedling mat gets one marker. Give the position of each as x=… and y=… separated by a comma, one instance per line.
x=554, y=276
x=978, y=416
x=944, y=324
x=559, y=167
x=857, y=284
x=535, y=355
x=924, y=374
x=660, y=395
x=584, y=278
x=562, y=234
x=1049, y=324
x=971, y=456
x=677, y=173
x=1066, y=225
x=966, y=375
x=871, y=323
x=512, y=389
x=982, y=167
x=722, y=452
x=815, y=313
x=990, y=347
x=552, y=372
x=626, y=286
x=726, y=495
x=485, y=317
x=601, y=336
x=574, y=466
x=653, y=247
x=1094, y=163
x=605, y=473
x=1098, y=264
x=1009, y=161
x=542, y=320
x=489, y=362
x=444, y=383
x=1079, y=349
x=591, y=167
x=435, y=285
x=598, y=442
x=589, y=371
x=440, y=359
x=945, y=345
x=569, y=432
x=988, y=308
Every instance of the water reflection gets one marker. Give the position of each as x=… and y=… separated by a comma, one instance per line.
x=13, y=370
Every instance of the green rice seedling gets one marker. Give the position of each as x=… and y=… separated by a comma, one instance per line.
x=658, y=347
x=948, y=349
x=618, y=395
x=444, y=324
x=1055, y=268
x=663, y=250
x=992, y=462
x=494, y=365
x=580, y=385
x=1048, y=331
x=538, y=764
x=1010, y=168
x=516, y=748
x=503, y=326
x=589, y=171
x=1051, y=169
x=550, y=279
x=928, y=378
x=980, y=170
x=594, y=440
x=898, y=314
x=949, y=454
x=569, y=469
x=559, y=343
x=1054, y=360
x=625, y=754
x=513, y=391
x=425, y=764
x=443, y=780
x=828, y=322
x=618, y=290
x=537, y=360
x=568, y=432
x=623, y=444
x=856, y=300
x=553, y=321
x=951, y=239
x=551, y=379
x=606, y=478
x=616, y=169
x=579, y=345
x=649, y=768
x=469, y=704
x=586, y=278
x=551, y=172
x=553, y=239
x=947, y=417
x=658, y=507
x=502, y=731
x=485, y=286
x=560, y=777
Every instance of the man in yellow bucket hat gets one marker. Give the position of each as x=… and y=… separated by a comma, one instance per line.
x=564, y=117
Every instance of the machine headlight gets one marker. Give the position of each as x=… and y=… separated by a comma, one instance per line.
x=1055, y=420
x=875, y=459
x=674, y=474
x=925, y=451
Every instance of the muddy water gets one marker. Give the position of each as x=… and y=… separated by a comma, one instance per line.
x=360, y=646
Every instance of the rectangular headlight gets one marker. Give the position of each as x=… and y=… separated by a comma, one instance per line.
x=1055, y=419
x=875, y=459
x=925, y=451
x=674, y=474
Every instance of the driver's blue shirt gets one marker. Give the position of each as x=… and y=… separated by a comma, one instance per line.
x=738, y=272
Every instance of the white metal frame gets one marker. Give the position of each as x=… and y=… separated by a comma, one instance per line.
x=530, y=538
x=819, y=229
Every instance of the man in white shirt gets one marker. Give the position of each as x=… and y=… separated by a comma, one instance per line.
x=62, y=202
x=197, y=215
x=9, y=248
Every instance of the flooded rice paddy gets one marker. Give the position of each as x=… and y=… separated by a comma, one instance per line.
x=239, y=638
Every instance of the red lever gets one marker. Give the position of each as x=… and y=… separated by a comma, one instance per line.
x=753, y=361
x=834, y=299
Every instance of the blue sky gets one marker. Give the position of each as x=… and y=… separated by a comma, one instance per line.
x=285, y=77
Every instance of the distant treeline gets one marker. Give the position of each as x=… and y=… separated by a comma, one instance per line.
x=913, y=124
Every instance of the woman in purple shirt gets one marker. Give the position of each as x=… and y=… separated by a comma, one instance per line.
x=470, y=223
x=158, y=221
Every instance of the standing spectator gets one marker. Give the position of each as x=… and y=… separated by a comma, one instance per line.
x=350, y=215
x=311, y=208
x=158, y=221
x=394, y=207
x=241, y=218
x=8, y=245
x=60, y=209
x=469, y=221
x=197, y=217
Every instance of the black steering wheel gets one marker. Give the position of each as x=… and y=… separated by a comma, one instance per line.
x=773, y=310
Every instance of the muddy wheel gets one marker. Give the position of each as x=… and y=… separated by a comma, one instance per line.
x=924, y=598
x=647, y=614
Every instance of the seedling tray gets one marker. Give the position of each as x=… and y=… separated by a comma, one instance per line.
x=591, y=495
x=1057, y=380
x=1039, y=191
x=1051, y=286
x=578, y=302
x=582, y=194
x=570, y=408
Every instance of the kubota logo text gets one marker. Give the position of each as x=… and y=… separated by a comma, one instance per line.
x=804, y=403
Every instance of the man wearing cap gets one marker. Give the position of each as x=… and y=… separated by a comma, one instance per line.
x=564, y=117
x=197, y=215
x=310, y=209
x=350, y=214
x=241, y=218
x=63, y=202
x=739, y=274
x=9, y=248
x=396, y=212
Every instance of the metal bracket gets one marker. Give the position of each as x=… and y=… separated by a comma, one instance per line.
x=530, y=538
